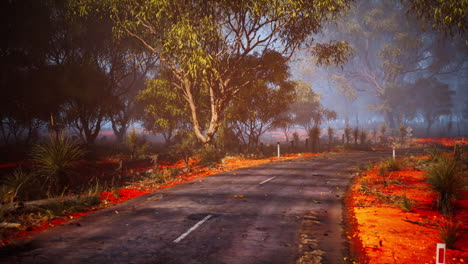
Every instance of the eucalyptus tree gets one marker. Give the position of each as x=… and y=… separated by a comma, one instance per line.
x=128, y=80
x=26, y=31
x=307, y=109
x=117, y=69
x=449, y=16
x=205, y=43
x=163, y=109
x=390, y=52
x=433, y=99
x=259, y=108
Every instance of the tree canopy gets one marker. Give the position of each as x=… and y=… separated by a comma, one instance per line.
x=204, y=43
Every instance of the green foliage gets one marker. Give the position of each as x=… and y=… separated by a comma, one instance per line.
x=138, y=145
x=163, y=107
x=67, y=206
x=165, y=175
x=405, y=203
x=185, y=145
x=21, y=185
x=333, y=53
x=435, y=154
x=56, y=161
x=208, y=54
x=448, y=16
x=391, y=165
x=210, y=156
x=446, y=181
x=450, y=233
x=388, y=166
x=387, y=51
x=259, y=108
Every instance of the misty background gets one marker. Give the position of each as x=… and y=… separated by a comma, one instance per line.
x=67, y=69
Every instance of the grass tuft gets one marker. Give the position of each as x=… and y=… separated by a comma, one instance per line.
x=56, y=161
x=21, y=185
x=450, y=233
x=405, y=203
x=446, y=181
x=434, y=153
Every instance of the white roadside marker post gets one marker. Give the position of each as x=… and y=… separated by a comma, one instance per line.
x=440, y=253
x=393, y=153
x=279, y=154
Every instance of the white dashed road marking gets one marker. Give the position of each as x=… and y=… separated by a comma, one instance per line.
x=267, y=180
x=192, y=228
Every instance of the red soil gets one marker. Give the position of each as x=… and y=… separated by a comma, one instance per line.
x=443, y=141
x=382, y=232
x=141, y=188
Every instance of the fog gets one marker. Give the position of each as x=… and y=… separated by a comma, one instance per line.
x=227, y=73
x=400, y=73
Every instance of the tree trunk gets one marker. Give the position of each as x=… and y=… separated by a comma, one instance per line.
x=390, y=119
x=119, y=132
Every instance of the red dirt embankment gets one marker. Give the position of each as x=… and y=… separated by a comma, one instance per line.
x=384, y=232
x=140, y=188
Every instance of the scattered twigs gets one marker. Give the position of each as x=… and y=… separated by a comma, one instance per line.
x=424, y=224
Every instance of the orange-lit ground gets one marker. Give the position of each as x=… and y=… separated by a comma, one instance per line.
x=382, y=232
x=144, y=187
x=443, y=141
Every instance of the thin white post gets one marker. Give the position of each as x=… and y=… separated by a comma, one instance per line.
x=393, y=152
x=440, y=253
x=279, y=154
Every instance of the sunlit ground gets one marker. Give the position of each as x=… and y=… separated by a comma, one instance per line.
x=139, y=188
x=448, y=142
x=384, y=232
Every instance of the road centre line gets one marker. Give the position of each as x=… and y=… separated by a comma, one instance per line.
x=192, y=229
x=267, y=180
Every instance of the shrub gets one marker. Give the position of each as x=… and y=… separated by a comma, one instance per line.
x=392, y=165
x=139, y=146
x=434, y=153
x=445, y=180
x=21, y=185
x=56, y=161
x=388, y=166
x=405, y=203
x=450, y=233
x=65, y=206
x=186, y=142
x=165, y=175
x=210, y=156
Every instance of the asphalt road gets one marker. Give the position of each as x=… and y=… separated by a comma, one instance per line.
x=272, y=213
